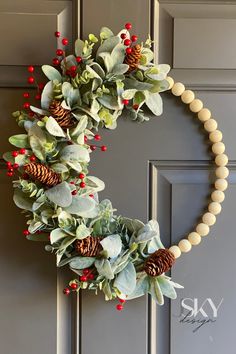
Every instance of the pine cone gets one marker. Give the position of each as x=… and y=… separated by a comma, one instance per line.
x=89, y=246
x=133, y=58
x=61, y=115
x=159, y=262
x=42, y=173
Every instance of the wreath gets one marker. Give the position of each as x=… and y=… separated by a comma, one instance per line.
x=124, y=258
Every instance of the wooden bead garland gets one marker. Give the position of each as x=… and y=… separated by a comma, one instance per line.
x=221, y=172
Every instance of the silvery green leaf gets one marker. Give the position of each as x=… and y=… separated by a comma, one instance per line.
x=138, y=85
x=95, y=183
x=93, y=38
x=119, y=87
x=80, y=139
x=60, y=194
x=125, y=282
x=54, y=128
x=79, y=46
x=118, y=55
x=22, y=201
x=35, y=226
x=37, y=237
x=105, y=33
x=87, y=110
x=166, y=287
x=160, y=86
x=154, y=103
x=36, y=146
x=19, y=140
x=80, y=127
x=7, y=156
x=129, y=94
x=107, y=290
x=147, y=56
x=21, y=159
x=65, y=105
x=108, y=45
x=112, y=245
x=98, y=69
x=57, y=235
x=66, y=87
x=40, y=111
x=109, y=102
x=142, y=286
x=59, y=167
x=104, y=268
x=82, y=262
x=108, y=61
x=155, y=291
x=82, y=232
x=47, y=96
x=139, y=98
x=95, y=106
x=74, y=153
x=82, y=206
x=51, y=73
x=75, y=166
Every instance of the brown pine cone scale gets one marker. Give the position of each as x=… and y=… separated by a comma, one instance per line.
x=61, y=115
x=42, y=173
x=159, y=262
x=133, y=59
x=89, y=246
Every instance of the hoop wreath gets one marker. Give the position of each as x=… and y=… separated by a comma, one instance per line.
x=124, y=258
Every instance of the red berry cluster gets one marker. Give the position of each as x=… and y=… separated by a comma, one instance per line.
x=120, y=306
x=73, y=286
x=40, y=86
x=128, y=41
x=11, y=168
x=81, y=184
x=93, y=147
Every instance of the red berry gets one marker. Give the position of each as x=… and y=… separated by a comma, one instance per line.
x=134, y=38
x=91, y=195
x=82, y=184
x=68, y=73
x=85, y=139
x=129, y=50
x=41, y=86
x=119, y=307
x=26, y=94
x=125, y=102
x=22, y=151
x=74, y=286
x=32, y=158
x=30, y=69
x=59, y=52
x=9, y=174
x=14, y=153
x=38, y=96
x=64, y=41
x=30, y=80
x=122, y=301
x=74, y=192
x=55, y=61
x=26, y=232
x=66, y=291
x=91, y=276
x=57, y=34
x=8, y=163
x=72, y=182
x=103, y=148
x=25, y=176
x=78, y=59
x=81, y=176
x=10, y=169
x=123, y=36
x=86, y=271
x=83, y=278
x=15, y=166
x=127, y=42
x=31, y=114
x=97, y=137
x=135, y=106
x=73, y=68
x=93, y=147
x=128, y=26
x=26, y=105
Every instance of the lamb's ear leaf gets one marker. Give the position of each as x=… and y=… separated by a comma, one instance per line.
x=22, y=201
x=126, y=280
x=54, y=128
x=82, y=262
x=19, y=140
x=51, y=73
x=60, y=194
x=47, y=95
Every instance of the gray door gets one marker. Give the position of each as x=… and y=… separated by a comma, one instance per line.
x=158, y=169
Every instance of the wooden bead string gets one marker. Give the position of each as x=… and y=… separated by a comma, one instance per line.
x=221, y=172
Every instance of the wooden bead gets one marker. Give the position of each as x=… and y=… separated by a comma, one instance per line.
x=214, y=208
x=176, y=251
x=202, y=229
x=196, y=105
x=221, y=160
x=185, y=246
x=187, y=96
x=209, y=219
x=170, y=81
x=194, y=238
x=218, y=196
x=219, y=147
x=210, y=125
x=222, y=172
x=221, y=184
x=215, y=136
x=204, y=115
x=177, y=89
